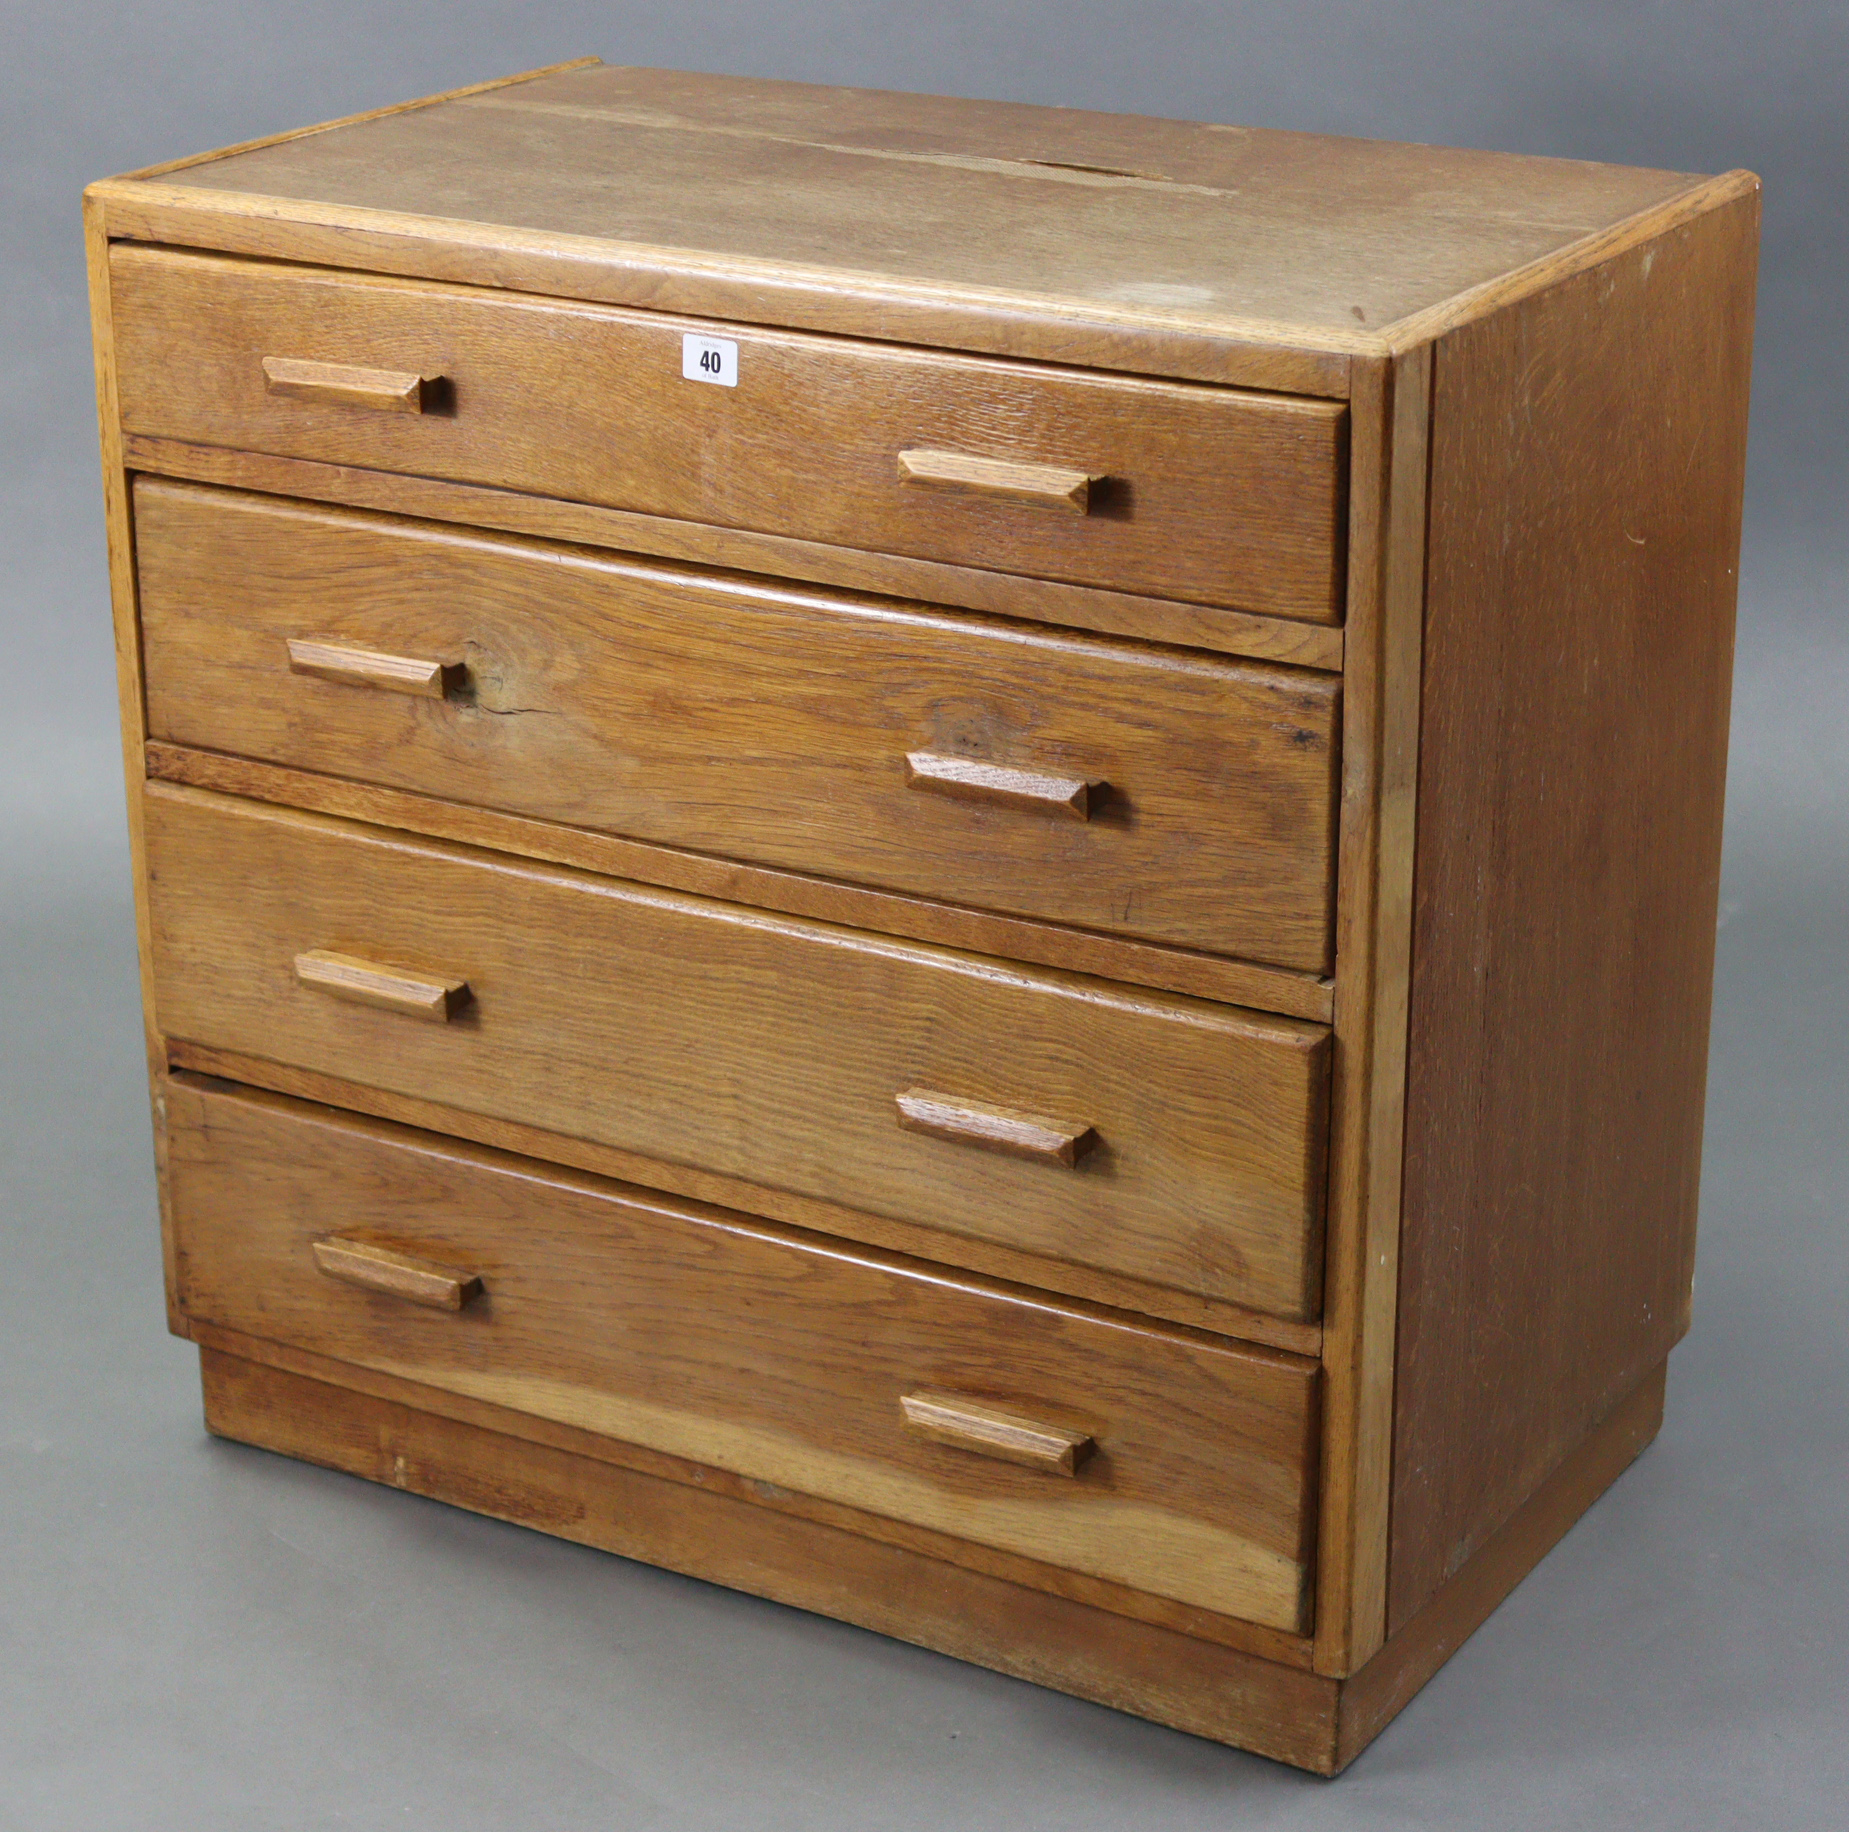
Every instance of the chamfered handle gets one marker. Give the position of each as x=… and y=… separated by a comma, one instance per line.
x=347, y=665
x=417, y=995
x=1042, y=486
x=398, y=1275
x=992, y=1431
x=345, y=384
x=990, y=1128
x=965, y=779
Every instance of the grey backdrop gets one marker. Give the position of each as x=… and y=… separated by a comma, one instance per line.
x=200, y=1636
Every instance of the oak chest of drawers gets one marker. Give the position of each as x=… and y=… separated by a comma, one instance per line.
x=954, y=861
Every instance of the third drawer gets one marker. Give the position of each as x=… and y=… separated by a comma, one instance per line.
x=1141, y=1133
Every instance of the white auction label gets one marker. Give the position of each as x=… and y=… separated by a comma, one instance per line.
x=710, y=359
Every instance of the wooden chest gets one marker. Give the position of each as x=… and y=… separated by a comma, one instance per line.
x=954, y=861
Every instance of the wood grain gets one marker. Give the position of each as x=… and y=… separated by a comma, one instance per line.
x=941, y=860
x=1125, y=1299
x=348, y=665
x=1578, y=647
x=1005, y=1129
x=1219, y=496
x=1231, y=982
x=992, y=1431
x=373, y=1266
x=1070, y=1644
x=430, y=996
x=343, y=385
x=757, y=1046
x=1176, y=1678
x=998, y=785
x=1046, y=486
x=1097, y=1593
x=1665, y=216
x=714, y=1337
x=1058, y=222
x=1392, y=406
x=1131, y=339
x=119, y=534
x=169, y=166
x=1079, y=607
x=608, y=694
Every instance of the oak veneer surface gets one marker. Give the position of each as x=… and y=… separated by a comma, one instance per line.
x=1208, y=976
x=690, y=1521
x=1379, y=801
x=126, y=634
x=757, y=1046
x=984, y=1257
x=609, y=695
x=1465, y=427
x=1578, y=648
x=1212, y=494
x=1077, y=607
x=1176, y=1678
x=1311, y=237
x=1270, y=1644
x=715, y=1338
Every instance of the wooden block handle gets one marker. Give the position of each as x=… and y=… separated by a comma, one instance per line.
x=418, y=995
x=1002, y=1129
x=973, y=1424
x=344, y=384
x=964, y=779
x=398, y=1275
x=1044, y=486
x=348, y=666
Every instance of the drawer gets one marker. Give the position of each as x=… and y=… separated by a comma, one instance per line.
x=1172, y=1465
x=1168, y=795
x=1138, y=1132
x=1175, y=490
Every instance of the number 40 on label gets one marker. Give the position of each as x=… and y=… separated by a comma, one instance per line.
x=709, y=359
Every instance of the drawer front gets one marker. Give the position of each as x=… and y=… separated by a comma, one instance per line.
x=916, y=752
x=1139, y=1132
x=1204, y=494
x=1168, y=1464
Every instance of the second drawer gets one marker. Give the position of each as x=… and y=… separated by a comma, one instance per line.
x=1175, y=797
x=1138, y=1132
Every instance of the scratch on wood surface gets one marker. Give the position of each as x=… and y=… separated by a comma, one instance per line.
x=1049, y=170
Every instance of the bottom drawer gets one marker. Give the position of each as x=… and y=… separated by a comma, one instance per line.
x=1172, y=1464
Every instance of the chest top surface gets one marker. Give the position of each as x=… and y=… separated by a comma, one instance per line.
x=1325, y=242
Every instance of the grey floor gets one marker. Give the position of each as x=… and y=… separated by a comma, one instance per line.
x=197, y=1635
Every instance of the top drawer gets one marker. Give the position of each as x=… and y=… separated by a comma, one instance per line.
x=1205, y=494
